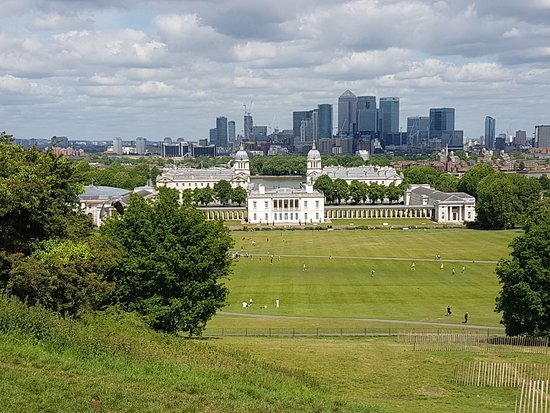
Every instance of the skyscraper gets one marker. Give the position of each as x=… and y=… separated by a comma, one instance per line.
x=141, y=145
x=347, y=113
x=521, y=138
x=417, y=131
x=324, y=121
x=297, y=118
x=542, y=136
x=490, y=124
x=389, y=115
x=221, y=126
x=231, y=132
x=248, y=123
x=117, y=146
x=367, y=114
x=442, y=125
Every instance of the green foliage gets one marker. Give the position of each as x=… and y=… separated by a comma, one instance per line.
x=278, y=165
x=376, y=192
x=502, y=199
x=239, y=196
x=421, y=175
x=524, y=299
x=357, y=192
x=394, y=192
x=204, y=196
x=340, y=190
x=446, y=183
x=38, y=196
x=325, y=184
x=223, y=191
x=347, y=161
x=117, y=174
x=468, y=183
x=173, y=262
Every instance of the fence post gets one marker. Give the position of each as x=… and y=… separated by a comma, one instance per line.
x=317, y=331
x=341, y=332
x=365, y=331
x=389, y=331
x=269, y=331
x=292, y=331
x=222, y=332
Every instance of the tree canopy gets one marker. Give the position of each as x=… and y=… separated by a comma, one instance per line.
x=173, y=261
x=524, y=299
x=468, y=183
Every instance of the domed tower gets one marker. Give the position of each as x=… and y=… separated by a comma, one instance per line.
x=314, y=169
x=242, y=163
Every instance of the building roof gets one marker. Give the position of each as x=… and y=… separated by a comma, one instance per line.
x=361, y=172
x=436, y=195
x=103, y=192
x=313, y=153
x=183, y=174
x=284, y=192
x=347, y=94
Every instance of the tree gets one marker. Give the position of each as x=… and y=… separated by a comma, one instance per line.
x=357, y=192
x=340, y=190
x=204, y=196
x=223, y=191
x=394, y=192
x=173, y=259
x=446, y=183
x=239, y=195
x=421, y=175
x=38, y=197
x=325, y=184
x=524, y=299
x=376, y=192
x=468, y=183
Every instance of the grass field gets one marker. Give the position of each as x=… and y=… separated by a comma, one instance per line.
x=338, y=284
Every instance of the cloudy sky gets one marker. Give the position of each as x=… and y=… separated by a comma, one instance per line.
x=104, y=68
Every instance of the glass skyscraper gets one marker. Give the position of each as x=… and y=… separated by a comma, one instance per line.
x=490, y=124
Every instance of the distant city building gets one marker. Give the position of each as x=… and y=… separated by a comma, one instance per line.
x=367, y=114
x=248, y=123
x=500, y=142
x=204, y=150
x=347, y=113
x=306, y=130
x=59, y=141
x=542, y=136
x=285, y=206
x=453, y=207
x=389, y=115
x=324, y=121
x=490, y=124
x=259, y=133
x=170, y=149
x=520, y=138
x=297, y=118
x=117, y=146
x=221, y=132
x=418, y=128
x=231, y=132
x=141, y=145
x=442, y=124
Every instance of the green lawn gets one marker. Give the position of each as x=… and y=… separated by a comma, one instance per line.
x=338, y=281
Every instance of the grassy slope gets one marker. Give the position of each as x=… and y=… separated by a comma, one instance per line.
x=342, y=286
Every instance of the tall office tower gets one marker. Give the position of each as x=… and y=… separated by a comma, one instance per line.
x=248, y=123
x=389, y=115
x=297, y=118
x=231, y=132
x=442, y=124
x=259, y=133
x=324, y=121
x=367, y=114
x=490, y=124
x=315, y=124
x=542, y=136
x=221, y=126
x=213, y=136
x=141, y=145
x=347, y=113
x=417, y=131
x=521, y=138
x=117, y=146
x=306, y=130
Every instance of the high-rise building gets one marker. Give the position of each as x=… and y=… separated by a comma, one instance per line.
x=213, y=136
x=248, y=123
x=259, y=133
x=117, y=146
x=367, y=114
x=542, y=136
x=324, y=121
x=141, y=145
x=231, y=132
x=297, y=118
x=389, y=115
x=306, y=130
x=347, y=113
x=490, y=124
x=521, y=138
x=221, y=126
x=417, y=131
x=442, y=124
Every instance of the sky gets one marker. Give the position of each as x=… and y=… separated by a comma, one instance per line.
x=105, y=68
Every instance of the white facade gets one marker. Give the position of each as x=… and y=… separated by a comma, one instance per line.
x=193, y=178
x=449, y=207
x=286, y=206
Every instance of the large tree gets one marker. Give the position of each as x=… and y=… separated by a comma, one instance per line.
x=223, y=191
x=524, y=299
x=468, y=183
x=173, y=262
x=326, y=185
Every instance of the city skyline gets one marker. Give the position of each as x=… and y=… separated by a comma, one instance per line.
x=97, y=70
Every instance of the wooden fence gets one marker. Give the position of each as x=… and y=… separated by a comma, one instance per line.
x=500, y=374
x=533, y=397
x=474, y=342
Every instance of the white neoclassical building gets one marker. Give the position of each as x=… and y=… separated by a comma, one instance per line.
x=193, y=178
x=382, y=175
x=285, y=206
x=449, y=207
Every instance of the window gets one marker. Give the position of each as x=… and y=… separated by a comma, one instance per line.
x=266, y=217
x=317, y=216
x=316, y=204
x=305, y=206
x=266, y=204
x=254, y=216
x=305, y=216
x=254, y=206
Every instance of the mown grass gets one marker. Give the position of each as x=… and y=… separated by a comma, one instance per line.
x=114, y=362
x=338, y=284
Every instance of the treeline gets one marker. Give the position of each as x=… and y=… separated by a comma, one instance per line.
x=222, y=193
x=161, y=259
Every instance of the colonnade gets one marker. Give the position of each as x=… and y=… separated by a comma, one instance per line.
x=226, y=213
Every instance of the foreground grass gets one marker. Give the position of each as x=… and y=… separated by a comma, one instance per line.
x=114, y=364
x=338, y=283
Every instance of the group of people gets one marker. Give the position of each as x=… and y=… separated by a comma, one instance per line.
x=450, y=313
x=248, y=303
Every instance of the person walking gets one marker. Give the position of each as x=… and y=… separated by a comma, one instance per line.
x=277, y=303
x=449, y=312
x=466, y=317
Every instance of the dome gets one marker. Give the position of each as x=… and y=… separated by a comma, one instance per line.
x=313, y=153
x=241, y=154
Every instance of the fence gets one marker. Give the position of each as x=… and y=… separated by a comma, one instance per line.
x=474, y=342
x=499, y=374
x=299, y=332
x=533, y=397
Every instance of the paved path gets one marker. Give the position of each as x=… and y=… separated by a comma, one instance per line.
x=376, y=320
